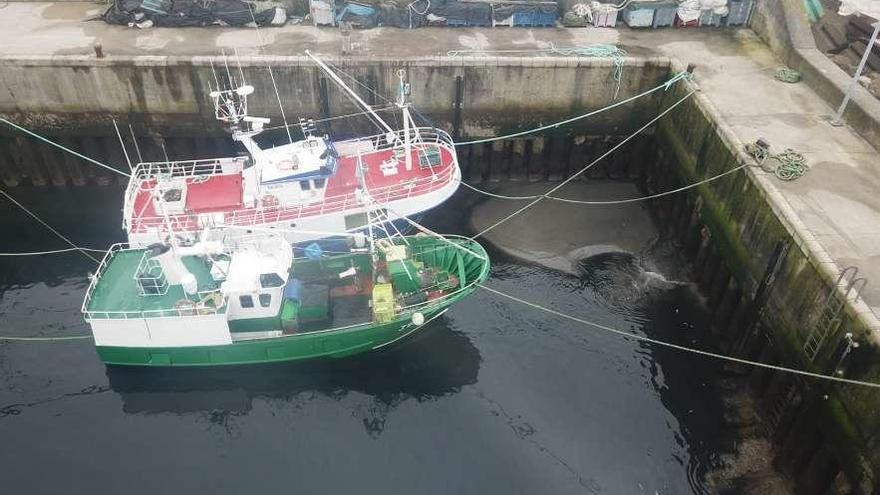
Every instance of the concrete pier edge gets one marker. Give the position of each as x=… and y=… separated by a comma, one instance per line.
x=784, y=26
x=799, y=232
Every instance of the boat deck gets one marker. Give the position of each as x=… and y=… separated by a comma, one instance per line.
x=117, y=290
x=203, y=195
x=223, y=193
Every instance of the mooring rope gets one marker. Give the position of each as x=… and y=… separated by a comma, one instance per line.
x=587, y=167
x=678, y=347
x=610, y=202
x=53, y=143
x=790, y=163
x=664, y=86
x=49, y=227
x=54, y=251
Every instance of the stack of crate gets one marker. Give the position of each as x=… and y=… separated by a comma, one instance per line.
x=639, y=14
x=740, y=10
x=650, y=13
x=604, y=15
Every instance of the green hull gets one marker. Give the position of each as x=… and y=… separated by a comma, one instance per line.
x=472, y=269
x=329, y=343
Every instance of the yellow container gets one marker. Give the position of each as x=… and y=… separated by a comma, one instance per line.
x=383, y=303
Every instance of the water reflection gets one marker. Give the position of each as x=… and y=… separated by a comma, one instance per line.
x=671, y=311
x=436, y=362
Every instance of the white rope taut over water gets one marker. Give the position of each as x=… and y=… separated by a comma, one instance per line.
x=608, y=202
x=587, y=167
x=714, y=355
x=49, y=227
x=53, y=143
x=54, y=251
x=681, y=76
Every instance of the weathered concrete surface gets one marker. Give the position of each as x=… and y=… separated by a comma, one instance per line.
x=833, y=211
x=783, y=24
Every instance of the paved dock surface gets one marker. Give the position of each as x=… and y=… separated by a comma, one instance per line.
x=835, y=206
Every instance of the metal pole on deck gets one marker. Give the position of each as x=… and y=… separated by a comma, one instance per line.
x=837, y=120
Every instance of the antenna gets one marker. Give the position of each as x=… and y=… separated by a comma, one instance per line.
x=164, y=152
x=402, y=97
x=271, y=74
x=122, y=143
x=135, y=141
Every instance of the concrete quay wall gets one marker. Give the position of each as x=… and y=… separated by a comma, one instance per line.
x=777, y=297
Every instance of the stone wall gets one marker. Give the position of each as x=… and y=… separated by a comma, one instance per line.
x=162, y=93
x=771, y=293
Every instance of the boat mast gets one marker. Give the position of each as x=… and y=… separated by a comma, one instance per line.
x=353, y=94
x=403, y=103
x=362, y=183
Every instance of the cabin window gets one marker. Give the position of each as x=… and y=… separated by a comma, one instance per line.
x=304, y=185
x=355, y=221
x=246, y=301
x=270, y=280
x=265, y=300
x=360, y=219
x=319, y=183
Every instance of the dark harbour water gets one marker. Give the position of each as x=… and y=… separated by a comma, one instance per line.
x=494, y=397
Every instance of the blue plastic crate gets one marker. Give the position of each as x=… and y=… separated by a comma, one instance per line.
x=453, y=22
x=534, y=18
x=740, y=11
x=709, y=18
x=639, y=15
x=664, y=15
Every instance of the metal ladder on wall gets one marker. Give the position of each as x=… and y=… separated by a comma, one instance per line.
x=829, y=317
x=785, y=402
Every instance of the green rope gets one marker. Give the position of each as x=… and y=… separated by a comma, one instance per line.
x=788, y=75
x=789, y=164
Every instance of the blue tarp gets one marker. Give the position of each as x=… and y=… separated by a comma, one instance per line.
x=293, y=289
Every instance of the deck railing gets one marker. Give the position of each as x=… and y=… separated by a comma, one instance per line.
x=147, y=171
x=194, y=309
x=270, y=214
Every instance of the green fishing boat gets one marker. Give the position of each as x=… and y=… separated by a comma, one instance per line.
x=258, y=299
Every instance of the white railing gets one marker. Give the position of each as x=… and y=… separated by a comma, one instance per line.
x=93, y=279
x=184, y=311
x=200, y=308
x=147, y=171
x=440, y=177
x=188, y=168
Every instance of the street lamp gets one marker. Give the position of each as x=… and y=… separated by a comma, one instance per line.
x=838, y=117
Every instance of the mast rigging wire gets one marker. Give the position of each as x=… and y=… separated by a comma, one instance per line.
x=271, y=73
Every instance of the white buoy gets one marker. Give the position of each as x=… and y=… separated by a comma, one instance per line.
x=360, y=240
x=418, y=319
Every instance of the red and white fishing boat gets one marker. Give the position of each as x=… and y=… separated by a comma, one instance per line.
x=307, y=189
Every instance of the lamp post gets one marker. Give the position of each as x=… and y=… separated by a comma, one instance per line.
x=837, y=120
